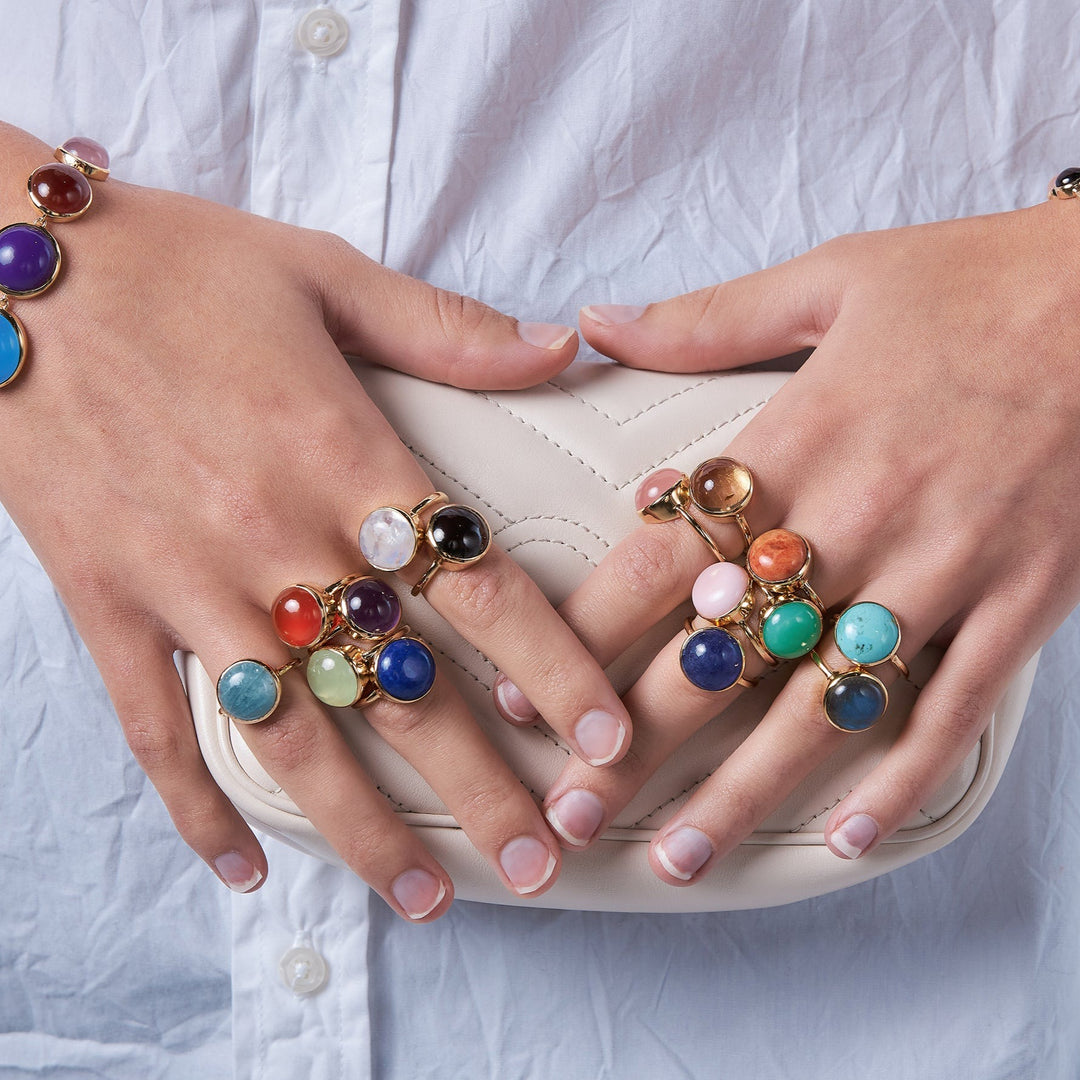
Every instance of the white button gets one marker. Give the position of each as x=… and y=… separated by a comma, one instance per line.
x=323, y=32
x=303, y=970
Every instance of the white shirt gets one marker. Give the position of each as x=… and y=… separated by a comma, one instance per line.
x=539, y=155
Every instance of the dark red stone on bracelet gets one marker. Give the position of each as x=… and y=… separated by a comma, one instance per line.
x=60, y=190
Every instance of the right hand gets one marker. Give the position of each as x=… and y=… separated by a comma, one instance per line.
x=187, y=439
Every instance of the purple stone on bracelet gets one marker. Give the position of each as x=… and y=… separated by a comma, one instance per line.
x=29, y=259
x=86, y=155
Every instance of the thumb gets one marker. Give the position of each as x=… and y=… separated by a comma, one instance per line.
x=395, y=320
x=757, y=317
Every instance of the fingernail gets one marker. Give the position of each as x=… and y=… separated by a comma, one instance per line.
x=528, y=863
x=600, y=736
x=684, y=852
x=575, y=816
x=544, y=335
x=418, y=892
x=237, y=871
x=513, y=702
x=855, y=835
x=613, y=314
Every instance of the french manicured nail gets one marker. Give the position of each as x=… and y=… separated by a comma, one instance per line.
x=600, y=736
x=544, y=335
x=237, y=872
x=855, y=835
x=418, y=892
x=575, y=816
x=613, y=314
x=513, y=702
x=684, y=852
x=528, y=863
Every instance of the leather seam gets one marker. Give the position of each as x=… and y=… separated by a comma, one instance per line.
x=641, y=412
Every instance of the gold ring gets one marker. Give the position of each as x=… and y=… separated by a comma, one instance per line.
x=853, y=700
x=249, y=691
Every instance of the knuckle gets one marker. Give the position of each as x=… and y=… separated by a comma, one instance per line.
x=959, y=717
x=157, y=746
x=646, y=563
x=482, y=803
x=284, y=744
x=398, y=724
x=372, y=851
x=465, y=326
x=739, y=809
x=478, y=597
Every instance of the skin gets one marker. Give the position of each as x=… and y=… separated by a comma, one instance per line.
x=187, y=440
x=928, y=450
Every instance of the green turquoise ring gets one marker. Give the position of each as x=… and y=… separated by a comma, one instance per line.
x=790, y=628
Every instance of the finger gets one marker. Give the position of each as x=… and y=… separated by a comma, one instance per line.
x=495, y=605
x=149, y=698
x=441, y=740
x=415, y=327
x=301, y=748
x=667, y=709
x=757, y=317
x=792, y=739
x=950, y=715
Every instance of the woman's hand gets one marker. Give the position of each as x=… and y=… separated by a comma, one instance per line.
x=928, y=449
x=187, y=439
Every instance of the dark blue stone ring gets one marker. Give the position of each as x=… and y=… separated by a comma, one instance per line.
x=712, y=659
x=401, y=668
x=853, y=700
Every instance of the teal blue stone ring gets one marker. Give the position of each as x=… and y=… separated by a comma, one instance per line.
x=249, y=690
x=12, y=346
x=853, y=700
x=868, y=634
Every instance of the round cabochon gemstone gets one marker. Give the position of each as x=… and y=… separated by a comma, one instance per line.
x=712, y=659
x=721, y=486
x=458, y=534
x=720, y=589
x=12, y=347
x=298, y=616
x=248, y=691
x=388, y=539
x=855, y=701
x=405, y=669
x=777, y=556
x=60, y=190
x=791, y=629
x=29, y=259
x=867, y=633
x=88, y=150
x=370, y=607
x=654, y=485
x=332, y=678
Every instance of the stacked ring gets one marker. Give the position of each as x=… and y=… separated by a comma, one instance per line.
x=720, y=487
x=853, y=700
x=723, y=595
x=712, y=659
x=363, y=607
x=790, y=623
x=401, y=668
x=248, y=691
x=458, y=536
x=869, y=634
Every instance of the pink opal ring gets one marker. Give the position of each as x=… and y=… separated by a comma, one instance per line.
x=719, y=488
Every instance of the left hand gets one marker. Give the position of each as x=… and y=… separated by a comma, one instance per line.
x=928, y=449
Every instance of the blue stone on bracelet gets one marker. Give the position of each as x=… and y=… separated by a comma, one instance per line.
x=712, y=659
x=855, y=701
x=12, y=352
x=405, y=669
x=248, y=691
x=867, y=633
x=29, y=259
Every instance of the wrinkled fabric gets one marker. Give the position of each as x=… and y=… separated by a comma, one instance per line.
x=538, y=154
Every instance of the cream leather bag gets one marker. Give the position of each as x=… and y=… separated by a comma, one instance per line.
x=554, y=470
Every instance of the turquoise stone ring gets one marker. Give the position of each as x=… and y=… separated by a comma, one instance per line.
x=868, y=634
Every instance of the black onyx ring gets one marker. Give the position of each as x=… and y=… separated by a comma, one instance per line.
x=1066, y=184
x=853, y=700
x=720, y=487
